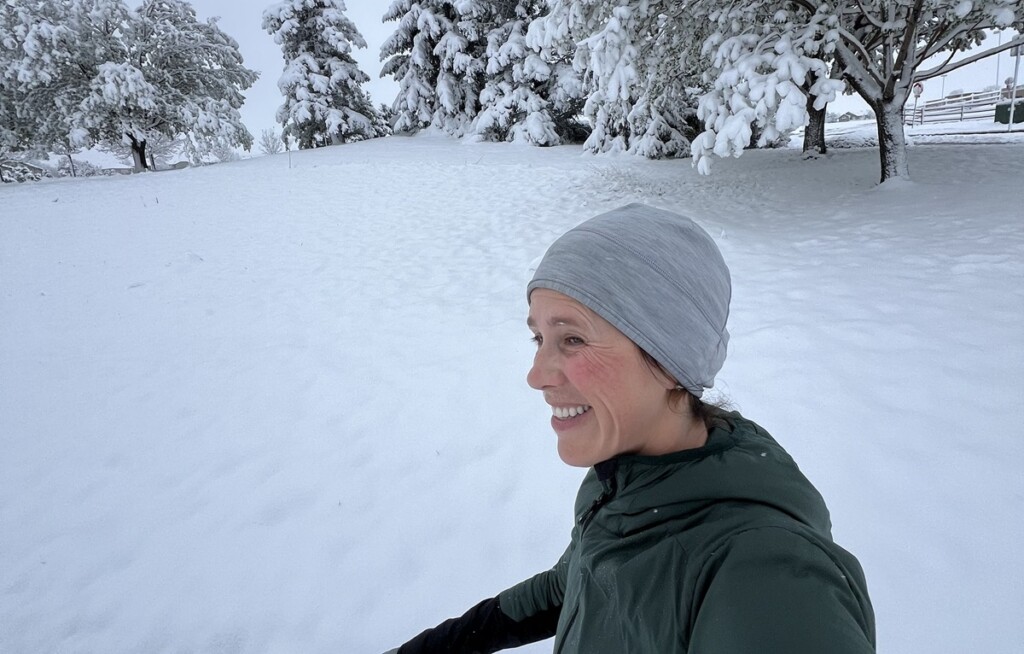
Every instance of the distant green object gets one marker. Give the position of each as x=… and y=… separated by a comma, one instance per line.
x=1003, y=112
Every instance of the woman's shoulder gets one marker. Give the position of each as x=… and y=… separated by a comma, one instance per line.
x=766, y=580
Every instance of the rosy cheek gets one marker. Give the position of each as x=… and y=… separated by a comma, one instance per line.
x=591, y=372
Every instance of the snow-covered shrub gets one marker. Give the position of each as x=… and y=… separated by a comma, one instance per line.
x=20, y=171
x=79, y=169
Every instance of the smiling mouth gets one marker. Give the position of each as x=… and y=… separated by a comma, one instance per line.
x=566, y=412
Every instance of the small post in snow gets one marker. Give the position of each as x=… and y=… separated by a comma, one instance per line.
x=918, y=90
x=1014, y=52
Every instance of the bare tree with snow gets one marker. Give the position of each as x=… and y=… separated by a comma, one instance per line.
x=87, y=72
x=270, y=142
x=764, y=51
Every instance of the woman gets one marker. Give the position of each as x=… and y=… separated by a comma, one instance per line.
x=695, y=531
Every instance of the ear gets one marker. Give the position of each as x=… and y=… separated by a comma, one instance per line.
x=667, y=381
x=661, y=375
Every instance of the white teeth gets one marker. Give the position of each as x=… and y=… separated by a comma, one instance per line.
x=569, y=412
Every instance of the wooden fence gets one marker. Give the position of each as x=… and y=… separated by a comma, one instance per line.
x=955, y=108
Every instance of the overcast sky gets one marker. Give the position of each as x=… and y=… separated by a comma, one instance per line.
x=242, y=21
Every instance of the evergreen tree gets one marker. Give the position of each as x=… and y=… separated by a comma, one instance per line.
x=638, y=97
x=322, y=84
x=386, y=117
x=408, y=56
x=462, y=53
x=514, y=102
x=465, y=67
x=421, y=56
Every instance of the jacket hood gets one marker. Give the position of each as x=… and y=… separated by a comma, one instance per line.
x=741, y=464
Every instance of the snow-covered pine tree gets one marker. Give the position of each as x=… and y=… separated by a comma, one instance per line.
x=664, y=122
x=437, y=54
x=521, y=99
x=549, y=59
x=637, y=98
x=610, y=59
x=385, y=119
x=322, y=84
x=462, y=53
x=408, y=56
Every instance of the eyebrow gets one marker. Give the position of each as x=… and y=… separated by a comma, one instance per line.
x=555, y=321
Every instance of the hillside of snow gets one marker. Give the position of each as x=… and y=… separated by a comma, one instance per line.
x=279, y=405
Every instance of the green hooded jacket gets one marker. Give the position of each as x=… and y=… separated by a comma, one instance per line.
x=725, y=549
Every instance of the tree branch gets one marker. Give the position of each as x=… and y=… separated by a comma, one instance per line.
x=808, y=6
x=862, y=79
x=947, y=67
x=871, y=19
x=905, y=63
x=917, y=76
x=945, y=37
x=863, y=54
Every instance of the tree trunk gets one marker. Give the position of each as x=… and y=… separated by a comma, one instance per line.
x=72, y=162
x=138, y=154
x=814, y=133
x=892, y=144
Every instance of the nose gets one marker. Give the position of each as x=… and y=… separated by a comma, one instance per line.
x=545, y=371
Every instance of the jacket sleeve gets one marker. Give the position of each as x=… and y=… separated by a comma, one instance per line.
x=773, y=591
x=523, y=614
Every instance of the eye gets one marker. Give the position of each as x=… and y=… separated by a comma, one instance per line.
x=537, y=339
x=574, y=340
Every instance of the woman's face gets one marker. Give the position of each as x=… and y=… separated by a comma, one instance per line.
x=605, y=399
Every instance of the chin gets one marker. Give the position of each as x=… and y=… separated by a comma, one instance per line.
x=571, y=457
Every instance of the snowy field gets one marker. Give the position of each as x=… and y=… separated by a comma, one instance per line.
x=279, y=405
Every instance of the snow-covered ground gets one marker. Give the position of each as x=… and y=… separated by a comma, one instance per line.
x=279, y=405
x=863, y=133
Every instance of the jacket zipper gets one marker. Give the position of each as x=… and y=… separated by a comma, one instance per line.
x=606, y=473
x=610, y=487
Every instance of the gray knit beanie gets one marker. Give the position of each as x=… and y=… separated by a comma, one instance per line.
x=657, y=277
